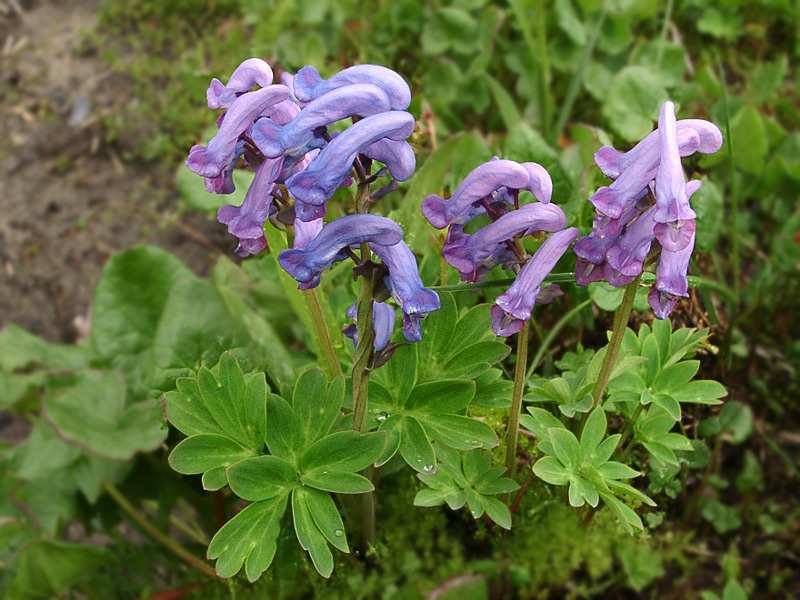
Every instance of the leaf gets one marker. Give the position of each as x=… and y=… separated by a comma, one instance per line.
x=736, y=420
x=605, y=295
x=700, y=391
x=261, y=477
x=250, y=539
x=415, y=448
x=539, y=421
x=497, y=511
x=327, y=518
x=284, y=434
x=550, y=470
x=566, y=447
x=623, y=512
x=593, y=431
x=206, y=451
x=633, y=101
x=92, y=412
x=309, y=536
x=337, y=482
x=505, y=104
x=20, y=349
x=471, y=361
x=456, y=431
x=348, y=451
x=749, y=140
x=446, y=396
x=316, y=404
x=669, y=404
x=616, y=470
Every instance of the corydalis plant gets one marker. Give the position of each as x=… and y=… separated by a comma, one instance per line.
x=648, y=202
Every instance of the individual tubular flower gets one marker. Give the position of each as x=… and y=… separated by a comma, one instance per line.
x=472, y=254
x=250, y=72
x=514, y=307
x=605, y=232
x=382, y=324
x=671, y=282
x=482, y=182
x=398, y=156
x=305, y=231
x=302, y=133
x=627, y=255
x=223, y=183
x=306, y=264
x=246, y=222
x=332, y=165
x=211, y=160
x=708, y=140
x=308, y=84
x=673, y=213
x=406, y=287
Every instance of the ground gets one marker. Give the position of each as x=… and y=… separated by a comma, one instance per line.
x=69, y=199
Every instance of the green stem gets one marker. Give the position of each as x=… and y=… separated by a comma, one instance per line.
x=322, y=333
x=512, y=433
x=163, y=539
x=617, y=333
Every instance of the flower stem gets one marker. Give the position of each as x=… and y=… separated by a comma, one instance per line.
x=617, y=332
x=322, y=333
x=520, y=368
x=163, y=539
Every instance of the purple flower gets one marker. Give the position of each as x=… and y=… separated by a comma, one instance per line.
x=252, y=71
x=223, y=183
x=626, y=257
x=246, y=222
x=694, y=135
x=671, y=281
x=306, y=264
x=302, y=133
x=405, y=284
x=472, y=254
x=587, y=272
x=211, y=160
x=308, y=84
x=605, y=232
x=305, y=231
x=332, y=165
x=382, y=324
x=280, y=113
x=480, y=183
x=514, y=307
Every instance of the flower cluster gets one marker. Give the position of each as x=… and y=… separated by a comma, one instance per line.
x=493, y=189
x=627, y=221
x=280, y=130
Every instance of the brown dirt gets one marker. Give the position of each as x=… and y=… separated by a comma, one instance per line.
x=69, y=201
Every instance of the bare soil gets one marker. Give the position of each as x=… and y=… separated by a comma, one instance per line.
x=69, y=200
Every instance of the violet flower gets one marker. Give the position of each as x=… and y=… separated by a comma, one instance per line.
x=406, y=287
x=330, y=168
x=627, y=255
x=397, y=155
x=514, y=307
x=671, y=281
x=305, y=231
x=472, y=254
x=246, y=222
x=308, y=84
x=479, y=183
x=211, y=160
x=382, y=324
x=302, y=133
x=223, y=183
x=250, y=72
x=612, y=162
x=306, y=264
x=605, y=232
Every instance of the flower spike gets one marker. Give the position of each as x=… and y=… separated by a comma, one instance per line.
x=250, y=72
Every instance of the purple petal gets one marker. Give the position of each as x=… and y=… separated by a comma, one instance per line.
x=629, y=251
x=332, y=165
x=301, y=134
x=539, y=182
x=469, y=253
x=519, y=299
x=504, y=324
x=398, y=156
x=306, y=264
x=305, y=231
x=672, y=269
x=308, y=84
x=382, y=323
x=672, y=200
x=211, y=160
x=250, y=72
x=588, y=272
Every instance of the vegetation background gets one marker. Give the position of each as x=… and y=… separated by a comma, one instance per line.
x=99, y=103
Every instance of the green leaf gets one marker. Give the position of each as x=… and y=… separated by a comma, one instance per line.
x=250, y=539
x=700, y=391
x=605, y=295
x=749, y=140
x=498, y=511
x=593, y=431
x=476, y=358
x=633, y=101
x=505, y=104
x=616, y=470
x=736, y=420
x=327, y=518
x=456, y=431
x=550, y=470
x=308, y=534
x=317, y=404
x=348, y=451
x=566, y=447
x=539, y=421
x=446, y=396
x=723, y=517
x=93, y=413
x=415, y=448
x=206, y=451
x=669, y=404
x=284, y=434
x=337, y=481
x=623, y=512
x=22, y=350
x=661, y=452
x=261, y=477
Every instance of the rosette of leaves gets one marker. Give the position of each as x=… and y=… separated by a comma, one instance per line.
x=468, y=478
x=585, y=465
x=275, y=454
x=652, y=392
x=422, y=395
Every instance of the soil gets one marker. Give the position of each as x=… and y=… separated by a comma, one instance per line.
x=69, y=199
